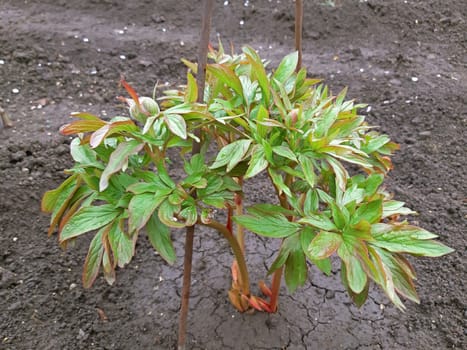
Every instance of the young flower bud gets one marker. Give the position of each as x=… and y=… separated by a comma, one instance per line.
x=292, y=117
x=136, y=113
x=150, y=106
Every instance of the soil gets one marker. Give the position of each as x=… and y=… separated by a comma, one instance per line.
x=406, y=59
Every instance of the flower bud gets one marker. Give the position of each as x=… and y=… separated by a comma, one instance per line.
x=292, y=117
x=150, y=106
x=136, y=113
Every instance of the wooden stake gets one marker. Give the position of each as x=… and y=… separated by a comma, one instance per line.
x=298, y=31
x=277, y=277
x=190, y=231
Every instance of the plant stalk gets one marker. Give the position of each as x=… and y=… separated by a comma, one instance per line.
x=238, y=253
x=190, y=231
x=239, y=211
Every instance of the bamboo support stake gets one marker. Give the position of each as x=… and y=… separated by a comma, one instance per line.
x=190, y=231
x=277, y=276
x=298, y=31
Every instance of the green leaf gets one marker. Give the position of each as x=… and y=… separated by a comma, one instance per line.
x=58, y=201
x=285, y=151
x=266, y=209
x=51, y=199
x=227, y=76
x=355, y=274
x=164, y=176
x=307, y=168
x=190, y=214
x=231, y=154
x=372, y=183
x=83, y=154
x=176, y=124
x=349, y=154
x=328, y=118
x=375, y=143
x=392, y=207
x=259, y=72
x=141, y=208
x=341, y=173
x=144, y=187
x=87, y=219
x=249, y=89
x=279, y=182
x=324, y=245
x=123, y=247
x=289, y=244
x=159, y=236
x=107, y=262
x=263, y=114
x=176, y=197
x=311, y=203
x=191, y=92
x=214, y=184
x=384, y=277
x=370, y=212
x=286, y=67
x=257, y=162
x=195, y=165
x=118, y=160
x=276, y=225
x=340, y=215
x=402, y=274
x=218, y=199
x=167, y=213
x=230, y=184
x=410, y=239
x=296, y=270
x=319, y=221
x=358, y=298
x=93, y=259
x=361, y=230
x=353, y=194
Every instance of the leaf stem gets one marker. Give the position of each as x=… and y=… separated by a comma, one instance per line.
x=237, y=250
x=275, y=287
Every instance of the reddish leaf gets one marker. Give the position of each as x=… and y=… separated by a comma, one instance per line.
x=81, y=126
x=85, y=116
x=130, y=91
x=107, y=263
x=93, y=259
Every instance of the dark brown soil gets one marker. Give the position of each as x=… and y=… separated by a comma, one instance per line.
x=407, y=59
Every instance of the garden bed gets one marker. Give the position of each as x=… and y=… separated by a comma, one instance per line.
x=406, y=59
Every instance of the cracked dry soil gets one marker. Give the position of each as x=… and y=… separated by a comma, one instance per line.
x=406, y=59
